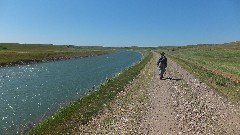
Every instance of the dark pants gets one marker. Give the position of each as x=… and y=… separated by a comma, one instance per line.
x=162, y=70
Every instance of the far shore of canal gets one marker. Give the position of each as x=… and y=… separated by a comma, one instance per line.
x=52, y=59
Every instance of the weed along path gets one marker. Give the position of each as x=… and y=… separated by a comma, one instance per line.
x=151, y=106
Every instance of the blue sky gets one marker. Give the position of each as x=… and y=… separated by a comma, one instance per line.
x=120, y=22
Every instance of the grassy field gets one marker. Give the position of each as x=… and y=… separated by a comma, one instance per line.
x=217, y=65
x=82, y=110
x=15, y=53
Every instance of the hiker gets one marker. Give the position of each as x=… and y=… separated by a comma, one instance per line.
x=162, y=64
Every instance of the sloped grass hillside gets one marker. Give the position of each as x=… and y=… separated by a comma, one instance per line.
x=13, y=53
x=217, y=65
x=82, y=110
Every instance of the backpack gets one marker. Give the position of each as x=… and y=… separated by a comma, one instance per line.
x=163, y=60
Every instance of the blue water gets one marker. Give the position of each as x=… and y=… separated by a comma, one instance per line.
x=30, y=93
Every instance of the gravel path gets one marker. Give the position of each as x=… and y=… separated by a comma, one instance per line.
x=188, y=106
x=160, y=116
x=150, y=106
x=201, y=109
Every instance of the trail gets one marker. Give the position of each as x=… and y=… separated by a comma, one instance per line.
x=160, y=117
x=187, y=106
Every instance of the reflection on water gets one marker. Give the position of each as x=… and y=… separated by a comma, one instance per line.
x=29, y=93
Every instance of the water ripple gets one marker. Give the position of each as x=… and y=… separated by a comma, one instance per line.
x=29, y=93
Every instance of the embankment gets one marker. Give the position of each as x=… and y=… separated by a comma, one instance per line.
x=88, y=106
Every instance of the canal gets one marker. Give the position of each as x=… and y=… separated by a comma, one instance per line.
x=30, y=93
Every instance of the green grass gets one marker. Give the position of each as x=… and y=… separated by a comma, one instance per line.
x=82, y=110
x=10, y=53
x=216, y=65
x=224, y=57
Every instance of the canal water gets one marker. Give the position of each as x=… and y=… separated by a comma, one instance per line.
x=30, y=93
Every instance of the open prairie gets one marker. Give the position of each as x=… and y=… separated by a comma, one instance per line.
x=14, y=53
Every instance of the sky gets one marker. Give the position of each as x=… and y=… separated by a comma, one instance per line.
x=120, y=22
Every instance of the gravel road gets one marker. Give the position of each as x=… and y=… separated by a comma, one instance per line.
x=185, y=105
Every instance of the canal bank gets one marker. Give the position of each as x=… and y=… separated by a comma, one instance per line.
x=82, y=110
x=122, y=115
x=14, y=54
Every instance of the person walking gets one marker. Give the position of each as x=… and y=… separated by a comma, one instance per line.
x=162, y=64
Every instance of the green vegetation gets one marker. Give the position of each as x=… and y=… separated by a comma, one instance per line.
x=14, y=53
x=217, y=65
x=82, y=110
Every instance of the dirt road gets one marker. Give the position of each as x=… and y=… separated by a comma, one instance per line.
x=185, y=105
x=151, y=106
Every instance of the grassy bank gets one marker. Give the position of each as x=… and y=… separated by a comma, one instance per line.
x=82, y=110
x=124, y=114
x=11, y=54
x=217, y=65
